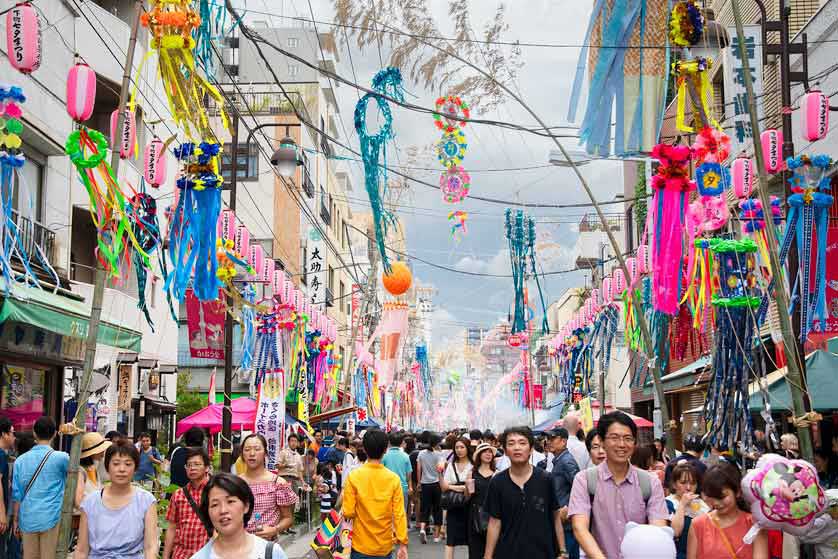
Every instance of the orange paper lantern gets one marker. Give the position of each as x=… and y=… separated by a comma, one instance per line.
x=398, y=281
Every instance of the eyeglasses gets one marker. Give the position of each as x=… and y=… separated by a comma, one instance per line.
x=615, y=439
x=194, y=466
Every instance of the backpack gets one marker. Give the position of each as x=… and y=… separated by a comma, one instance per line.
x=643, y=480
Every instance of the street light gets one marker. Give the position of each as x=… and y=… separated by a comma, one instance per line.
x=285, y=157
x=578, y=155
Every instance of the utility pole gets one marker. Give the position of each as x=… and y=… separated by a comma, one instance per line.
x=227, y=412
x=65, y=527
x=795, y=374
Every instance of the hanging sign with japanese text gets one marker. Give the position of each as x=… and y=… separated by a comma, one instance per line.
x=270, y=414
x=316, y=269
x=736, y=98
x=205, y=324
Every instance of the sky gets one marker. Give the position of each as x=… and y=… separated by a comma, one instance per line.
x=544, y=82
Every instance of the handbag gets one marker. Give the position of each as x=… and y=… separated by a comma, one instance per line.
x=454, y=499
x=480, y=519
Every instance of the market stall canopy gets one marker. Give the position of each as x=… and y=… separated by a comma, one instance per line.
x=62, y=315
x=641, y=422
x=820, y=385
x=555, y=413
x=244, y=415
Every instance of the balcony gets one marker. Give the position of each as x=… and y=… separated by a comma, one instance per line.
x=308, y=186
x=326, y=148
x=34, y=238
x=329, y=299
x=325, y=213
x=264, y=103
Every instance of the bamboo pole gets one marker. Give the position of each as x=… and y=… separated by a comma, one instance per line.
x=95, y=316
x=794, y=373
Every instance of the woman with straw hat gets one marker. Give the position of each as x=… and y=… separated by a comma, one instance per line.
x=91, y=475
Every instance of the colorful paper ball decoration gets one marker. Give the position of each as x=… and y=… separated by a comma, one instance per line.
x=814, y=116
x=127, y=140
x=772, y=149
x=454, y=183
x=23, y=38
x=81, y=92
x=154, y=163
x=451, y=106
x=607, y=290
x=242, y=240
x=712, y=179
x=451, y=148
x=398, y=281
x=643, y=259
x=742, y=174
x=619, y=283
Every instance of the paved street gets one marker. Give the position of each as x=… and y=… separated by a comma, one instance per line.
x=300, y=548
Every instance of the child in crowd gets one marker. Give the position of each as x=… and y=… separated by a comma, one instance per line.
x=719, y=533
x=683, y=504
x=326, y=487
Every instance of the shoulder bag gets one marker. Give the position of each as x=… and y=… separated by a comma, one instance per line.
x=194, y=506
x=451, y=499
x=38, y=471
x=479, y=515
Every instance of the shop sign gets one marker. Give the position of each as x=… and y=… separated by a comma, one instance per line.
x=34, y=342
x=736, y=98
x=270, y=415
x=316, y=269
x=124, y=388
x=205, y=325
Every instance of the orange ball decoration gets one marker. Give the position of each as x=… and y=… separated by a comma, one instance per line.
x=398, y=281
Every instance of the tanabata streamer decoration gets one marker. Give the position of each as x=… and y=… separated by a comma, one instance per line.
x=783, y=494
x=387, y=82
x=753, y=218
x=632, y=80
x=726, y=406
x=193, y=229
x=171, y=23
x=23, y=37
x=808, y=216
x=391, y=334
x=457, y=219
x=692, y=75
x=12, y=160
x=711, y=146
x=451, y=149
x=449, y=109
x=142, y=213
x=672, y=186
x=686, y=24
x=520, y=234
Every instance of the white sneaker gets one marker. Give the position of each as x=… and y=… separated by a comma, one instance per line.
x=423, y=536
x=436, y=540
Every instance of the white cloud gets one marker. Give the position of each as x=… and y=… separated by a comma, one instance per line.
x=496, y=265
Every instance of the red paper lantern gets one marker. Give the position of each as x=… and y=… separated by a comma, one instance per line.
x=23, y=38
x=399, y=280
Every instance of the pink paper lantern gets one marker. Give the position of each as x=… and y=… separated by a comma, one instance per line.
x=81, y=92
x=619, y=283
x=127, y=139
x=596, y=297
x=278, y=283
x=23, y=38
x=643, y=259
x=256, y=260
x=742, y=174
x=227, y=224
x=299, y=298
x=287, y=296
x=607, y=290
x=814, y=116
x=267, y=270
x=633, y=269
x=772, y=150
x=589, y=310
x=154, y=163
x=242, y=240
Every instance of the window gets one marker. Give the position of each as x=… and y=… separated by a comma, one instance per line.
x=331, y=279
x=22, y=395
x=293, y=70
x=247, y=164
x=28, y=188
x=341, y=293
x=304, y=261
x=293, y=42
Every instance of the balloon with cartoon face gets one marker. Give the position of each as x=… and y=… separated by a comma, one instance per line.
x=784, y=494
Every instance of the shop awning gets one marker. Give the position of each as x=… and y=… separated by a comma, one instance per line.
x=62, y=315
x=820, y=385
x=327, y=415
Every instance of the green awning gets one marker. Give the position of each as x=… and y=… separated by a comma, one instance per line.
x=219, y=395
x=62, y=315
x=820, y=384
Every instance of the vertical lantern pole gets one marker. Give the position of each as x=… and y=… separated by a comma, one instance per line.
x=95, y=315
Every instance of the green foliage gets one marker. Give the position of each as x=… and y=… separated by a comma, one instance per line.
x=188, y=400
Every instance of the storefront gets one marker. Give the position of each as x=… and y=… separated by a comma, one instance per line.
x=42, y=335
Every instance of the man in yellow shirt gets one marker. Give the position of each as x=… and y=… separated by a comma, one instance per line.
x=373, y=500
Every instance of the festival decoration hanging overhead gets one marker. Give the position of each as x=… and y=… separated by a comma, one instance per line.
x=399, y=280
x=686, y=24
x=520, y=234
x=808, y=219
x=23, y=37
x=631, y=81
x=454, y=183
x=390, y=333
x=449, y=110
x=451, y=149
x=154, y=163
x=81, y=92
x=373, y=149
x=692, y=78
x=814, y=115
x=458, y=219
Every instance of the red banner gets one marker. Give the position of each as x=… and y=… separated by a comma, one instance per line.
x=205, y=324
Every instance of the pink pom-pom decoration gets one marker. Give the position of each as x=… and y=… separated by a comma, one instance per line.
x=81, y=92
x=784, y=494
x=127, y=139
x=619, y=283
x=227, y=224
x=23, y=38
x=154, y=163
x=267, y=272
x=643, y=259
x=256, y=260
x=814, y=116
x=742, y=174
x=607, y=290
x=633, y=270
x=242, y=240
x=772, y=149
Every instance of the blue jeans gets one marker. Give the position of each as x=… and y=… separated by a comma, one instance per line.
x=359, y=555
x=571, y=544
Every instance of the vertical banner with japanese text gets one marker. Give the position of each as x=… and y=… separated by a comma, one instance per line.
x=270, y=414
x=316, y=269
x=736, y=99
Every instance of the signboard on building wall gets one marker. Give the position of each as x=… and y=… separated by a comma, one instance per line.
x=738, y=120
x=205, y=324
x=316, y=269
x=124, y=388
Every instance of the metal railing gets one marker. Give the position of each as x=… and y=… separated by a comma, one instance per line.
x=329, y=299
x=32, y=234
x=325, y=213
x=264, y=103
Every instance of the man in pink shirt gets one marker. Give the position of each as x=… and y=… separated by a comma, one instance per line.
x=604, y=499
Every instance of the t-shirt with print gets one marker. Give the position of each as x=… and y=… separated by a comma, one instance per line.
x=257, y=550
x=527, y=515
x=4, y=483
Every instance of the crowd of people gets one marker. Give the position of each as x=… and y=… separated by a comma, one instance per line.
x=565, y=493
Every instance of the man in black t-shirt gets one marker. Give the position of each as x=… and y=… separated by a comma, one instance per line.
x=523, y=511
